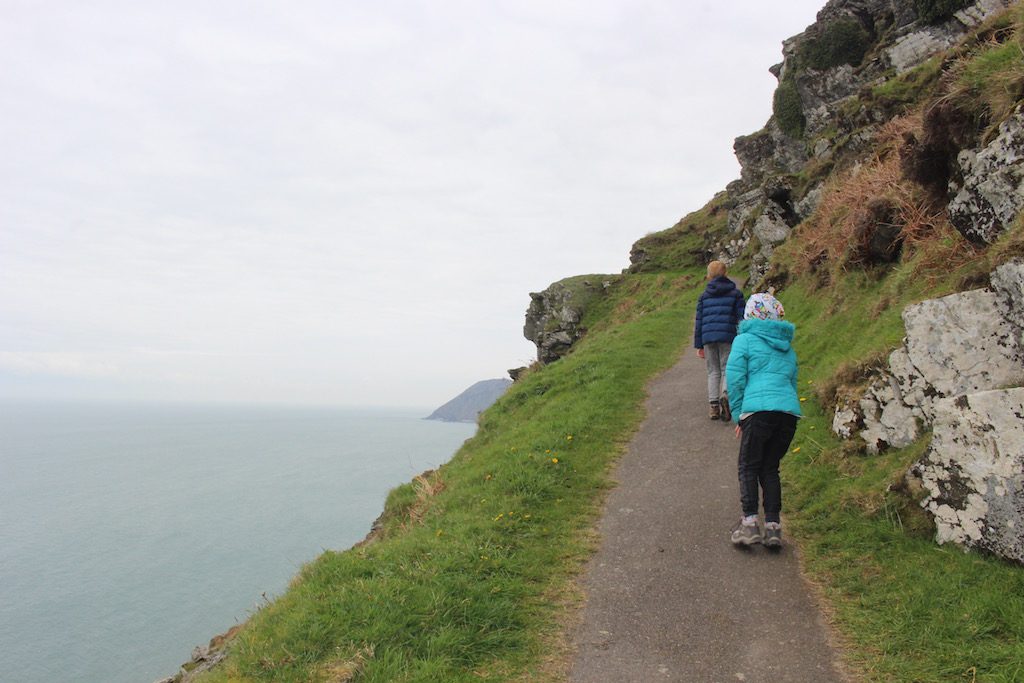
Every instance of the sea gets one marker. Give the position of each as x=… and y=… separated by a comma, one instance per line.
x=129, y=534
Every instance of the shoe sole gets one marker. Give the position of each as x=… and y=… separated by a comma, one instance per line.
x=772, y=542
x=748, y=541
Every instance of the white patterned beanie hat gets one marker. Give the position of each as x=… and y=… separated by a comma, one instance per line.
x=763, y=307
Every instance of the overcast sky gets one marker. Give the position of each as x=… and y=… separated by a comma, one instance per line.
x=343, y=202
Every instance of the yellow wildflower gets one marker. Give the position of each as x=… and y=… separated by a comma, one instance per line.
x=554, y=460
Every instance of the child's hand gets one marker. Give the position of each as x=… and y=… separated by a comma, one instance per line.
x=739, y=431
x=700, y=353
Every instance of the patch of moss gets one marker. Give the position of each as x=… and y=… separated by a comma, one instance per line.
x=900, y=92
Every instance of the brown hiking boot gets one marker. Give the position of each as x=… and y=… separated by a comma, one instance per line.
x=725, y=414
x=715, y=411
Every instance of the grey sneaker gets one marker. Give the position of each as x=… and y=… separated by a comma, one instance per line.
x=746, y=534
x=772, y=535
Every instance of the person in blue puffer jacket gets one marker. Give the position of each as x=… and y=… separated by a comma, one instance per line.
x=762, y=386
x=719, y=312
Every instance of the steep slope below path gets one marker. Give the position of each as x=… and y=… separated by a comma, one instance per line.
x=668, y=596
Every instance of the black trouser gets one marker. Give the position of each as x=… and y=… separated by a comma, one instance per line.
x=766, y=438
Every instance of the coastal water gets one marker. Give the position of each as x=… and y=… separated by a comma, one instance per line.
x=130, y=534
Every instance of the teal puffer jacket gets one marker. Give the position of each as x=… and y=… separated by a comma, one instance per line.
x=761, y=373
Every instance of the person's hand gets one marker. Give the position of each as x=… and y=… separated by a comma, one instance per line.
x=700, y=353
x=739, y=431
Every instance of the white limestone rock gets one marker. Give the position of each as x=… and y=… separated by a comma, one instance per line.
x=770, y=228
x=887, y=420
x=974, y=472
x=807, y=206
x=848, y=419
x=992, y=193
x=914, y=389
x=743, y=207
x=962, y=343
x=914, y=48
x=1008, y=282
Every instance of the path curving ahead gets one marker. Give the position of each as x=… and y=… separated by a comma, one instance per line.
x=668, y=596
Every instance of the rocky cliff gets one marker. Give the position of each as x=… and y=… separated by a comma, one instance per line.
x=841, y=82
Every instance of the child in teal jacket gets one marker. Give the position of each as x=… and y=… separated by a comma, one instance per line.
x=762, y=383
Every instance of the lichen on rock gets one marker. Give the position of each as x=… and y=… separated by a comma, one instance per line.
x=992, y=192
x=974, y=472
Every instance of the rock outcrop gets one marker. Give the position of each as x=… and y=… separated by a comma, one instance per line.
x=959, y=372
x=853, y=46
x=992, y=193
x=956, y=345
x=204, y=658
x=555, y=316
x=974, y=472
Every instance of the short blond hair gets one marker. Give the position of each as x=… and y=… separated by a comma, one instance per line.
x=716, y=269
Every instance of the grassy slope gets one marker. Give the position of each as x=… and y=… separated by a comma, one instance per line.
x=469, y=575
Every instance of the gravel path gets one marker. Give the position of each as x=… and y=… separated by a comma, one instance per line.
x=668, y=596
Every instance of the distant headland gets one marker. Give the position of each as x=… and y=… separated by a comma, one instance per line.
x=470, y=403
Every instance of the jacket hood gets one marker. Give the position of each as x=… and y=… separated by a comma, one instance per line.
x=778, y=334
x=720, y=285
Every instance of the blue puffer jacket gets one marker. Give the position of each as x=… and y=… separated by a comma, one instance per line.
x=761, y=372
x=719, y=311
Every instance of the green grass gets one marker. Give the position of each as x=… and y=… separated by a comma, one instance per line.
x=899, y=93
x=472, y=569
x=683, y=245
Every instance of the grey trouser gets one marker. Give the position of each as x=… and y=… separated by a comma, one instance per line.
x=716, y=355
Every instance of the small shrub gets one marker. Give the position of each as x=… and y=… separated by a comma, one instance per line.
x=788, y=108
x=844, y=41
x=936, y=11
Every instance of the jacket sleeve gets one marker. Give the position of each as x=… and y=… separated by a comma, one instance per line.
x=698, y=341
x=736, y=376
x=741, y=304
x=795, y=377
